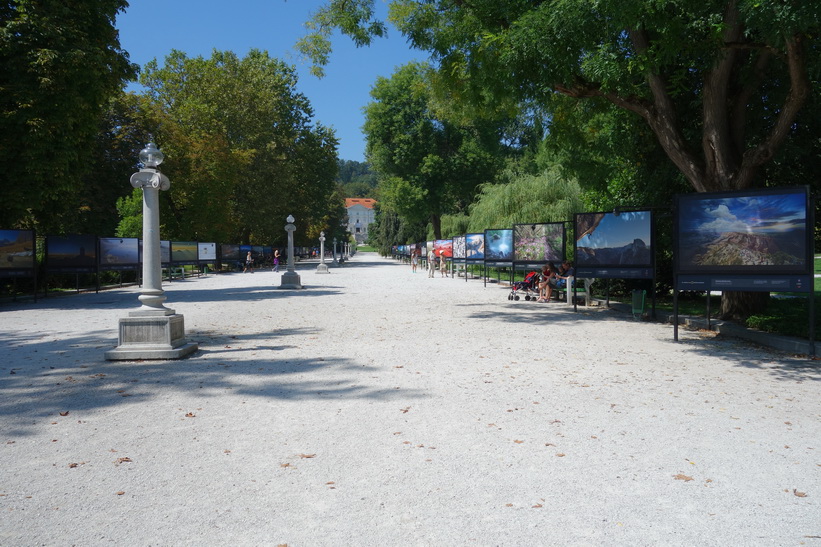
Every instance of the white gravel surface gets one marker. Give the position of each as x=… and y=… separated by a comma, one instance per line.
x=380, y=407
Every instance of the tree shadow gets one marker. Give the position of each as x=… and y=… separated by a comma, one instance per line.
x=46, y=375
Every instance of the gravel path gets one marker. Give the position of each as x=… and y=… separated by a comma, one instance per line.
x=380, y=407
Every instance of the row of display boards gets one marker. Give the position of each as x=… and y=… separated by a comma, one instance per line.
x=90, y=254
x=754, y=240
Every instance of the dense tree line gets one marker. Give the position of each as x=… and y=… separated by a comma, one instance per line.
x=642, y=99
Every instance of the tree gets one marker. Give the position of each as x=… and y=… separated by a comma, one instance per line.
x=427, y=165
x=720, y=83
x=59, y=65
x=240, y=167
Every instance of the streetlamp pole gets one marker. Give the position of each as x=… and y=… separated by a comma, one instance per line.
x=152, y=331
x=335, y=262
x=290, y=279
x=322, y=267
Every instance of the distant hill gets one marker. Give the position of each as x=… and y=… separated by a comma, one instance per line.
x=739, y=248
x=357, y=179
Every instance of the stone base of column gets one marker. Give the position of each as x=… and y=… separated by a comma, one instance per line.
x=322, y=269
x=152, y=337
x=290, y=280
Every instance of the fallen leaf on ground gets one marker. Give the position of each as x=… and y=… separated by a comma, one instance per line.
x=307, y=456
x=682, y=477
x=190, y=415
x=518, y=442
x=799, y=494
x=118, y=461
x=64, y=413
x=120, y=493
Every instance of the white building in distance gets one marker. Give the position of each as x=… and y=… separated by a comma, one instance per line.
x=360, y=217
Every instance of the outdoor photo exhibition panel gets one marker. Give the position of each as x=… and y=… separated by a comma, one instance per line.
x=474, y=250
x=17, y=255
x=119, y=253
x=537, y=244
x=229, y=255
x=207, y=254
x=459, y=254
x=72, y=254
x=165, y=252
x=184, y=253
x=499, y=251
x=749, y=240
x=616, y=245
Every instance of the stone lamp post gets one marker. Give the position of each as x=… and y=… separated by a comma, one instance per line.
x=152, y=331
x=322, y=267
x=290, y=279
x=335, y=262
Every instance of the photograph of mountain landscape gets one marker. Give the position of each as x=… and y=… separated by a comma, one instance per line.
x=538, y=243
x=746, y=231
x=475, y=246
x=499, y=245
x=610, y=239
x=184, y=251
x=16, y=249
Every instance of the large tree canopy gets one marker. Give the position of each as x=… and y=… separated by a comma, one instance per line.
x=427, y=164
x=241, y=151
x=719, y=82
x=60, y=62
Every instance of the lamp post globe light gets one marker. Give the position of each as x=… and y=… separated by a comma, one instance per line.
x=152, y=331
x=290, y=279
x=322, y=268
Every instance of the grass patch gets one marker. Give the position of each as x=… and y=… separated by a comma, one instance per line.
x=785, y=315
x=366, y=248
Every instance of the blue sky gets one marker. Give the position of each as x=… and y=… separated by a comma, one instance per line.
x=151, y=30
x=617, y=231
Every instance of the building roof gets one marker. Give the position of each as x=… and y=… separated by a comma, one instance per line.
x=365, y=202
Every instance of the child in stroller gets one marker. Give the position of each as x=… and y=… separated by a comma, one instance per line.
x=527, y=285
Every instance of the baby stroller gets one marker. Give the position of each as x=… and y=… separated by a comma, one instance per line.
x=528, y=285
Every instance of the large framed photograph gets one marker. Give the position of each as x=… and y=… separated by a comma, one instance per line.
x=747, y=232
x=499, y=245
x=474, y=247
x=539, y=243
x=459, y=251
x=73, y=253
x=614, y=239
x=443, y=245
x=119, y=253
x=229, y=253
x=17, y=256
x=184, y=252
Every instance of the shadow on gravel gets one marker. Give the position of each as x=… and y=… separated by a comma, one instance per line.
x=59, y=375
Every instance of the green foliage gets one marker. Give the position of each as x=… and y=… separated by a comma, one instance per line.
x=548, y=197
x=427, y=165
x=130, y=209
x=59, y=65
x=239, y=167
x=357, y=179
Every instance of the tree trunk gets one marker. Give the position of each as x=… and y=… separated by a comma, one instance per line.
x=739, y=305
x=436, y=222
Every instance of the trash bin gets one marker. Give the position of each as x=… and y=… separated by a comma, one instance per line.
x=638, y=303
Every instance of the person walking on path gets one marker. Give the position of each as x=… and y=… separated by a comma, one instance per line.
x=276, y=260
x=431, y=263
x=443, y=264
x=414, y=260
x=249, y=263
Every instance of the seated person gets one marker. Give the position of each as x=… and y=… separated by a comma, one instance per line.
x=546, y=279
x=567, y=271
